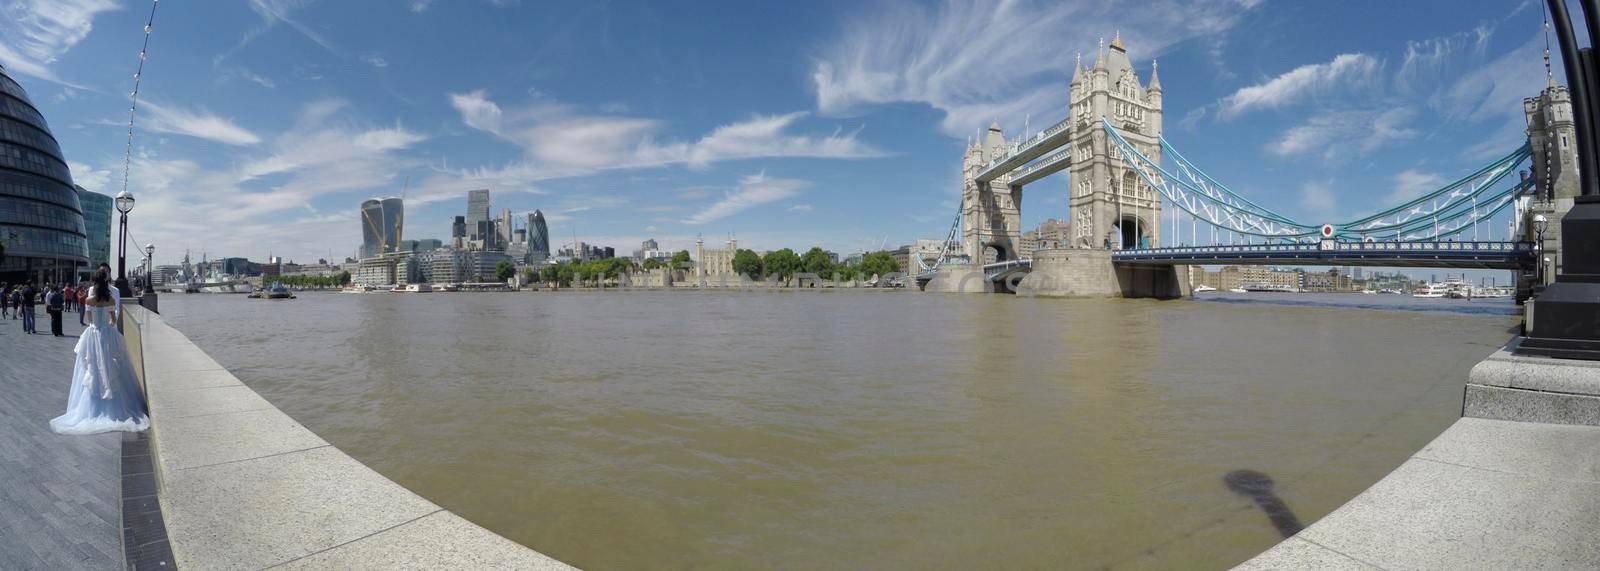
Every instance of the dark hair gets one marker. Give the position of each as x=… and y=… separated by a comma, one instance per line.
x=102, y=287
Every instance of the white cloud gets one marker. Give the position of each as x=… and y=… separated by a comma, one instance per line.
x=1296, y=86
x=1317, y=200
x=258, y=79
x=977, y=61
x=1425, y=61
x=801, y=208
x=754, y=190
x=88, y=177
x=420, y=6
x=1411, y=183
x=36, y=33
x=375, y=60
x=272, y=13
x=559, y=141
x=1337, y=135
x=200, y=124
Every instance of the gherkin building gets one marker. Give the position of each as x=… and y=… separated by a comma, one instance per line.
x=41, y=217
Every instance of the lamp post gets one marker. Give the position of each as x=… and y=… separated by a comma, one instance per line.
x=1539, y=225
x=124, y=202
x=1565, y=318
x=149, y=263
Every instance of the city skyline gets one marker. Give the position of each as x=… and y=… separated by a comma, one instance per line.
x=826, y=134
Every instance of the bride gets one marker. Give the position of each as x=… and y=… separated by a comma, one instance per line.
x=105, y=394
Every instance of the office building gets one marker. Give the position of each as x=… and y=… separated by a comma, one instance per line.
x=479, y=226
x=41, y=215
x=538, y=236
x=97, y=209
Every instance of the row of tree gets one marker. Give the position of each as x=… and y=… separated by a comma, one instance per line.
x=785, y=263
x=336, y=280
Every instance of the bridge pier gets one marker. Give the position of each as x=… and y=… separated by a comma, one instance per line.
x=1090, y=273
x=959, y=279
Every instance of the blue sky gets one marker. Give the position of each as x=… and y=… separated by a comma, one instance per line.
x=263, y=124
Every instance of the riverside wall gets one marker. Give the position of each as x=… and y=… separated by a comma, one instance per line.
x=1513, y=484
x=244, y=486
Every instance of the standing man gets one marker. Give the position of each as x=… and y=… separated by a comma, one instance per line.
x=53, y=301
x=5, y=299
x=29, y=296
x=83, y=293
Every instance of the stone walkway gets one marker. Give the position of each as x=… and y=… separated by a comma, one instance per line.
x=58, y=494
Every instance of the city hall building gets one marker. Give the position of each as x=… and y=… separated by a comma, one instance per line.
x=41, y=216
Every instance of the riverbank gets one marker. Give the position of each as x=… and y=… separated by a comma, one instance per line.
x=242, y=485
x=1511, y=485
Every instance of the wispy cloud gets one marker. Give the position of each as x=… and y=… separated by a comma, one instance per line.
x=559, y=141
x=1336, y=135
x=272, y=13
x=200, y=124
x=1411, y=183
x=420, y=6
x=976, y=61
x=34, y=34
x=1297, y=85
x=800, y=208
x=374, y=60
x=754, y=190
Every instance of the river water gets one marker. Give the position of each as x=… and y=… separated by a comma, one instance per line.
x=632, y=430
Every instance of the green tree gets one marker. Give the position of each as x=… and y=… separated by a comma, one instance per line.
x=879, y=263
x=815, y=261
x=845, y=272
x=651, y=264
x=504, y=270
x=529, y=276
x=680, y=258
x=782, y=263
x=747, y=263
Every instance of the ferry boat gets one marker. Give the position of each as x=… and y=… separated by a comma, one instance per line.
x=1273, y=288
x=446, y=287
x=278, y=291
x=1203, y=288
x=1369, y=292
x=1430, y=290
x=358, y=288
x=418, y=288
x=1237, y=290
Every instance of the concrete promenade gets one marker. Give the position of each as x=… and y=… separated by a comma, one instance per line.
x=1514, y=484
x=59, y=495
x=244, y=486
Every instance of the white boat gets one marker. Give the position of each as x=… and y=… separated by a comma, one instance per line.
x=1238, y=290
x=446, y=287
x=1203, y=288
x=418, y=288
x=1430, y=290
x=358, y=288
x=1369, y=292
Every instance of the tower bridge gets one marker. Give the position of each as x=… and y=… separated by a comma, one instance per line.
x=1125, y=175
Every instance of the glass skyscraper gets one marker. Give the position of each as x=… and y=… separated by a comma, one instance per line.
x=97, y=209
x=41, y=217
x=538, y=235
x=382, y=222
x=479, y=225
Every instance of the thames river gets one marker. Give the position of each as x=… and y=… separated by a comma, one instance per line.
x=633, y=430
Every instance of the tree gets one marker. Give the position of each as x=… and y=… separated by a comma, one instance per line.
x=747, y=263
x=680, y=258
x=845, y=272
x=651, y=264
x=504, y=270
x=879, y=263
x=782, y=263
x=816, y=261
x=529, y=276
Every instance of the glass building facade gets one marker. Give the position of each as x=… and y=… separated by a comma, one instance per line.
x=538, y=235
x=41, y=216
x=97, y=209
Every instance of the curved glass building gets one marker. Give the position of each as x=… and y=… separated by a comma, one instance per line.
x=41, y=218
x=371, y=228
x=538, y=235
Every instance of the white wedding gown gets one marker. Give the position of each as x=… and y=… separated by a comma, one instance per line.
x=105, y=393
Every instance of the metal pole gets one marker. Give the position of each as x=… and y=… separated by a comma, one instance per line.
x=1578, y=85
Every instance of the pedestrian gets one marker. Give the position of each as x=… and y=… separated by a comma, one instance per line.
x=53, y=302
x=5, y=299
x=83, y=298
x=29, y=297
x=70, y=295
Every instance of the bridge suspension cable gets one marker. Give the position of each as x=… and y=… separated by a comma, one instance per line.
x=1448, y=211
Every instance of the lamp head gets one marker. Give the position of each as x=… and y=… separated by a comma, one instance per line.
x=124, y=202
x=1540, y=222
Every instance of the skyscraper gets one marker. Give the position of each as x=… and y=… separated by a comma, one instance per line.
x=538, y=235
x=371, y=228
x=458, y=227
x=394, y=215
x=479, y=226
x=97, y=209
x=503, y=229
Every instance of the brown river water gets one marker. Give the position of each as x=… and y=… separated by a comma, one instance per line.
x=849, y=430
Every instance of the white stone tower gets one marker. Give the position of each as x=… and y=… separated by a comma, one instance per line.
x=991, y=215
x=1108, y=197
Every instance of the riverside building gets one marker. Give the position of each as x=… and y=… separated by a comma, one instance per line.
x=41, y=214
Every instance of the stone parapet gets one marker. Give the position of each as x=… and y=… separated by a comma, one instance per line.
x=244, y=486
x=1533, y=389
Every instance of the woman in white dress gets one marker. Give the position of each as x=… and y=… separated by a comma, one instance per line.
x=105, y=394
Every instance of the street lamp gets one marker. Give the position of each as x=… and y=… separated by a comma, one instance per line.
x=149, y=264
x=124, y=203
x=1539, y=224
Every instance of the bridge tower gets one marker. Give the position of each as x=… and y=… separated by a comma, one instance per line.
x=991, y=213
x=1108, y=199
x=1555, y=168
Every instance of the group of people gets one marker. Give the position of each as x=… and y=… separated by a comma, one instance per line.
x=104, y=395
x=17, y=302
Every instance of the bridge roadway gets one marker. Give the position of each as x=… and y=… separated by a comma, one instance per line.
x=1469, y=254
x=1042, y=142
